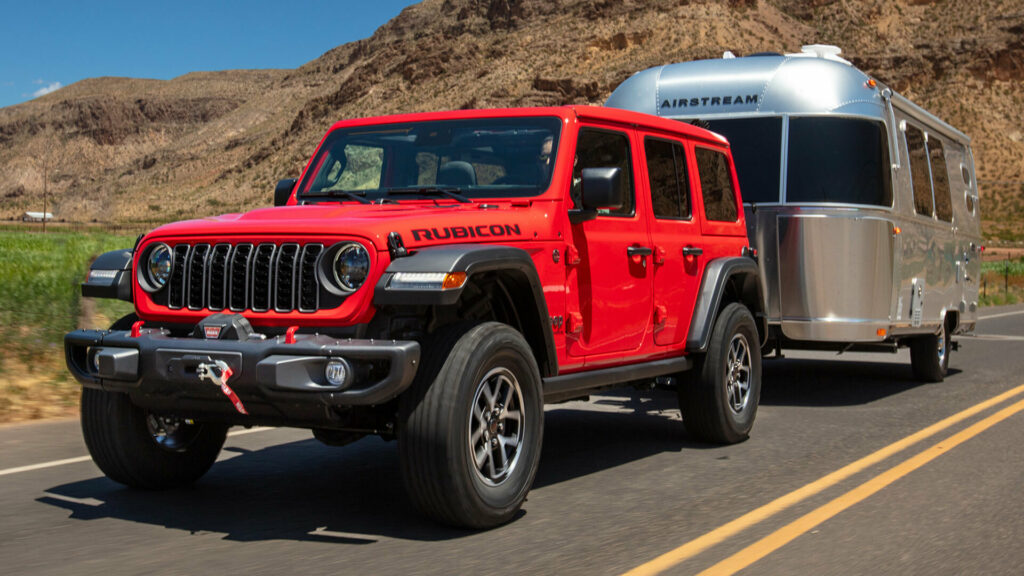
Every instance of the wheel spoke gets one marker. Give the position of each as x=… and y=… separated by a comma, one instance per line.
x=489, y=395
x=513, y=415
x=490, y=462
x=477, y=434
x=480, y=455
x=511, y=440
x=507, y=401
x=502, y=453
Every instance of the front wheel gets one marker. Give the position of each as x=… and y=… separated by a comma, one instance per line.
x=472, y=426
x=719, y=399
x=143, y=450
x=929, y=356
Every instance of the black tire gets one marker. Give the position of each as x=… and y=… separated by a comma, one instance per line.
x=929, y=356
x=709, y=411
x=120, y=438
x=440, y=440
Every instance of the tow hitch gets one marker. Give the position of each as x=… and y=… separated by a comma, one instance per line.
x=218, y=372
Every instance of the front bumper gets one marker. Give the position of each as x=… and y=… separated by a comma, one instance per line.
x=277, y=377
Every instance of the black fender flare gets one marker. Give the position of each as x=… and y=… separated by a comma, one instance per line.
x=117, y=284
x=717, y=275
x=471, y=259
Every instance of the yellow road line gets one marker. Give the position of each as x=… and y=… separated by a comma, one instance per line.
x=789, y=532
x=730, y=529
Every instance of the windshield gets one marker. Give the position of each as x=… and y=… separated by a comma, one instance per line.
x=475, y=158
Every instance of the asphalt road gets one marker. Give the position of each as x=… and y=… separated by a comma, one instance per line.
x=846, y=472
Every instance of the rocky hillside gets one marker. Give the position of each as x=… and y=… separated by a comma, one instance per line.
x=126, y=150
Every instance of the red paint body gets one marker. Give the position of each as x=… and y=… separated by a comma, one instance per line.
x=617, y=309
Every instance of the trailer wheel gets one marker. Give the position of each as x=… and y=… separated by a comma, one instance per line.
x=472, y=425
x=719, y=399
x=929, y=356
x=143, y=450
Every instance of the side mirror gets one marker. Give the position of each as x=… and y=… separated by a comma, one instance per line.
x=283, y=191
x=602, y=188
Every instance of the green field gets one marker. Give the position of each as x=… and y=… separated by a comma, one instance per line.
x=40, y=301
x=1002, y=282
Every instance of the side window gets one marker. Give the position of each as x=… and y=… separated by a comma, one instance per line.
x=365, y=164
x=940, y=179
x=919, y=170
x=666, y=168
x=603, y=149
x=716, y=186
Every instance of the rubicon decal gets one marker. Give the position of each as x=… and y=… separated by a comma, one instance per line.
x=481, y=231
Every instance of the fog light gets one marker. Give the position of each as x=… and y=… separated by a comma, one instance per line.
x=96, y=361
x=337, y=372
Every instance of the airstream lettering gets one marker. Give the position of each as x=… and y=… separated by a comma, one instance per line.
x=861, y=204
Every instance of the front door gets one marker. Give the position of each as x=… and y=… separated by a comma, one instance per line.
x=609, y=285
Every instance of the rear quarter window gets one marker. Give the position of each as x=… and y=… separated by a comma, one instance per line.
x=716, y=186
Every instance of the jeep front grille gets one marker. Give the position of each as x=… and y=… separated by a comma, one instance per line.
x=260, y=277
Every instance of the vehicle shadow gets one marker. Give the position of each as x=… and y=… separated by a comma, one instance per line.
x=305, y=491
x=827, y=382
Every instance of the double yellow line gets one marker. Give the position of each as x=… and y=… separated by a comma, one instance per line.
x=788, y=533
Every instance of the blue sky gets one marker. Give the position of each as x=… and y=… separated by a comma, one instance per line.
x=47, y=44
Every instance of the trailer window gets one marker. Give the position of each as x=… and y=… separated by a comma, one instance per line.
x=666, y=170
x=919, y=170
x=841, y=160
x=757, y=151
x=940, y=179
x=716, y=186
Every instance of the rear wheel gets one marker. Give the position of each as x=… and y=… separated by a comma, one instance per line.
x=929, y=356
x=719, y=399
x=472, y=426
x=144, y=450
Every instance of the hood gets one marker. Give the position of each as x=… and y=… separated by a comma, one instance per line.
x=419, y=223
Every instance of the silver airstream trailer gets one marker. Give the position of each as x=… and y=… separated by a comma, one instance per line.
x=863, y=207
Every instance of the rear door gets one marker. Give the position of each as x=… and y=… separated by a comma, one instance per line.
x=676, y=237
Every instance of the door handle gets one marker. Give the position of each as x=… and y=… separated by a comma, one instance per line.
x=639, y=251
x=692, y=251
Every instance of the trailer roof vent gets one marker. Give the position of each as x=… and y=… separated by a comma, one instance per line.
x=824, y=51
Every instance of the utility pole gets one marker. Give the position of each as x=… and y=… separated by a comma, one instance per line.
x=46, y=178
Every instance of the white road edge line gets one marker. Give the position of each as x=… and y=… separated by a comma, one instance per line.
x=65, y=461
x=45, y=465
x=84, y=501
x=989, y=317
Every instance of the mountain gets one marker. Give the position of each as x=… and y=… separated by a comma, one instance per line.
x=129, y=150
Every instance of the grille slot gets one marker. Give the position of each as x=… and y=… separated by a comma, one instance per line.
x=217, y=277
x=309, y=287
x=196, y=273
x=257, y=277
x=176, y=284
x=239, y=281
x=284, y=277
x=261, y=279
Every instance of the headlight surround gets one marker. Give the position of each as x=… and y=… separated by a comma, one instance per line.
x=158, y=266
x=351, y=267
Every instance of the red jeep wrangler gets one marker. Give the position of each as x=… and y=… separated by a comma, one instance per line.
x=436, y=278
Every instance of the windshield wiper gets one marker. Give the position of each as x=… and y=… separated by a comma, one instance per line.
x=431, y=191
x=358, y=196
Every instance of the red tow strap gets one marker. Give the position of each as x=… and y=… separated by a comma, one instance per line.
x=209, y=371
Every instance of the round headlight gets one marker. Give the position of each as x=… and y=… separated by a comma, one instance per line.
x=351, y=267
x=158, y=265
